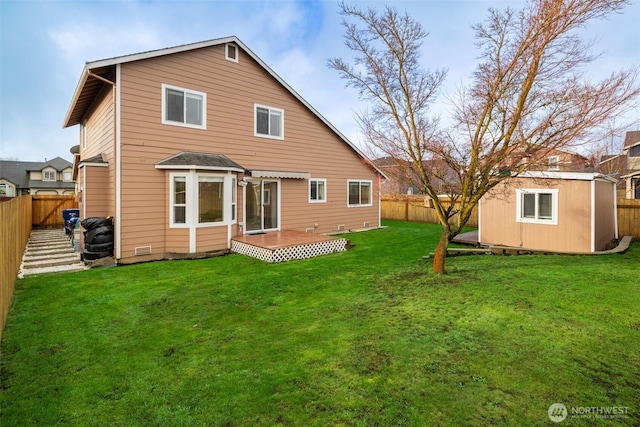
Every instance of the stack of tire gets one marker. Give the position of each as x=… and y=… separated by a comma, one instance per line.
x=98, y=238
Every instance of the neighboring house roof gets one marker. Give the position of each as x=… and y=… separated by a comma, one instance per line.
x=189, y=160
x=631, y=139
x=103, y=71
x=17, y=172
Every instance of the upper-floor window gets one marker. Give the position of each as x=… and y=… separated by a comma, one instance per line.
x=554, y=163
x=359, y=193
x=67, y=175
x=537, y=206
x=49, y=175
x=269, y=122
x=317, y=190
x=184, y=107
x=83, y=134
x=634, y=151
x=231, y=52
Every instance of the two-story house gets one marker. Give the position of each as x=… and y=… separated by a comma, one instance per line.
x=631, y=176
x=49, y=177
x=191, y=146
x=625, y=166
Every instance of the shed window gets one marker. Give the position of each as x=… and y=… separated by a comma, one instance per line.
x=183, y=107
x=537, y=206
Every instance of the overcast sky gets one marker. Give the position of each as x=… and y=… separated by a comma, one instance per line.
x=45, y=44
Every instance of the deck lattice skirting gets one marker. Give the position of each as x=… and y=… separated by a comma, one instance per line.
x=288, y=253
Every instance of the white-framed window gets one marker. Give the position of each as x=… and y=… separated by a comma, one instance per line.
x=6, y=189
x=67, y=175
x=359, y=193
x=231, y=52
x=553, y=163
x=184, y=107
x=538, y=206
x=317, y=190
x=48, y=175
x=234, y=199
x=178, y=211
x=268, y=122
x=83, y=134
x=201, y=199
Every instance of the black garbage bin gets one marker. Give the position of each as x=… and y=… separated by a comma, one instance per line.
x=98, y=237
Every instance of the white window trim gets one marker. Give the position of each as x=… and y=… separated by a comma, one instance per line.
x=553, y=163
x=360, y=181
x=191, y=200
x=554, y=205
x=255, y=121
x=324, y=181
x=83, y=134
x=226, y=52
x=44, y=174
x=203, y=126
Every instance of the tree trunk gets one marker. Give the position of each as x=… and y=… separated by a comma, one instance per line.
x=441, y=253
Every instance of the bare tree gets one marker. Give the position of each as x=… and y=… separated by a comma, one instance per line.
x=528, y=97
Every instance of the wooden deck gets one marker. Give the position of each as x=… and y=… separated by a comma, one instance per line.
x=285, y=245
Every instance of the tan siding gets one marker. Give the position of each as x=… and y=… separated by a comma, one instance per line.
x=498, y=217
x=96, y=191
x=605, y=214
x=100, y=136
x=232, y=89
x=208, y=238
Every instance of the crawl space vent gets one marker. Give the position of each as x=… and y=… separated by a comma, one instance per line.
x=143, y=250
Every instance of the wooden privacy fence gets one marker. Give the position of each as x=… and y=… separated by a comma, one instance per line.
x=415, y=208
x=47, y=209
x=629, y=218
x=15, y=228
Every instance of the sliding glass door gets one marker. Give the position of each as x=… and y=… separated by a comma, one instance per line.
x=262, y=206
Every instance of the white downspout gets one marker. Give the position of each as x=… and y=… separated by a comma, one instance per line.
x=118, y=217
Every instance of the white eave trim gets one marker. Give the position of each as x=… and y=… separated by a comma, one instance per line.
x=101, y=165
x=579, y=176
x=629, y=175
x=279, y=174
x=199, y=167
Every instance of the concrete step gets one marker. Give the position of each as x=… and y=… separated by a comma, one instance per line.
x=51, y=262
x=49, y=251
x=53, y=269
x=35, y=257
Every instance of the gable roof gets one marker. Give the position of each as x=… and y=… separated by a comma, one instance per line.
x=96, y=73
x=16, y=171
x=631, y=139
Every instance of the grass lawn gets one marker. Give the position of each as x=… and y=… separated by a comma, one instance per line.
x=367, y=337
